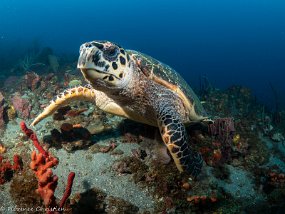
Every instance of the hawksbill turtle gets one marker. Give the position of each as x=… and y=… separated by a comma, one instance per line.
x=138, y=87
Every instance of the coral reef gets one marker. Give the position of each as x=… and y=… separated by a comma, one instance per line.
x=32, y=80
x=41, y=164
x=123, y=166
x=277, y=179
x=21, y=105
x=2, y=113
x=22, y=191
x=7, y=169
x=223, y=131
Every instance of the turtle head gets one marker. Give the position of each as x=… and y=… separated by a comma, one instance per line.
x=104, y=64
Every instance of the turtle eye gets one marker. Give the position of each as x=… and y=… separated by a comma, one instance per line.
x=111, y=53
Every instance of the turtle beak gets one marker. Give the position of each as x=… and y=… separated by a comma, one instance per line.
x=89, y=74
x=91, y=58
x=82, y=57
x=85, y=59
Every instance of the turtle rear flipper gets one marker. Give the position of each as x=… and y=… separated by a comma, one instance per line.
x=175, y=137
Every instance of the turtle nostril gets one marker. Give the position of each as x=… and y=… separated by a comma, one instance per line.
x=88, y=45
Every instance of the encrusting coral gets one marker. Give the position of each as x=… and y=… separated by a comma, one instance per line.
x=7, y=169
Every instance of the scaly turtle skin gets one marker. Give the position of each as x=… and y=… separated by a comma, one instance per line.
x=135, y=86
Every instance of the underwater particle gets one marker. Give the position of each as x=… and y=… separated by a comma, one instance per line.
x=186, y=186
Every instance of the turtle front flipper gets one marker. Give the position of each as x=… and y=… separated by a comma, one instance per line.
x=175, y=137
x=69, y=95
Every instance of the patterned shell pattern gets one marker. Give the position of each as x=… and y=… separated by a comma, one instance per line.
x=165, y=72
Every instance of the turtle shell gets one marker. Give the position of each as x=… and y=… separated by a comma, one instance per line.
x=168, y=77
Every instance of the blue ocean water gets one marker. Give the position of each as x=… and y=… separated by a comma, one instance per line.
x=230, y=42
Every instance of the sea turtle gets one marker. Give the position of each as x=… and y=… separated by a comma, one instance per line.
x=136, y=86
